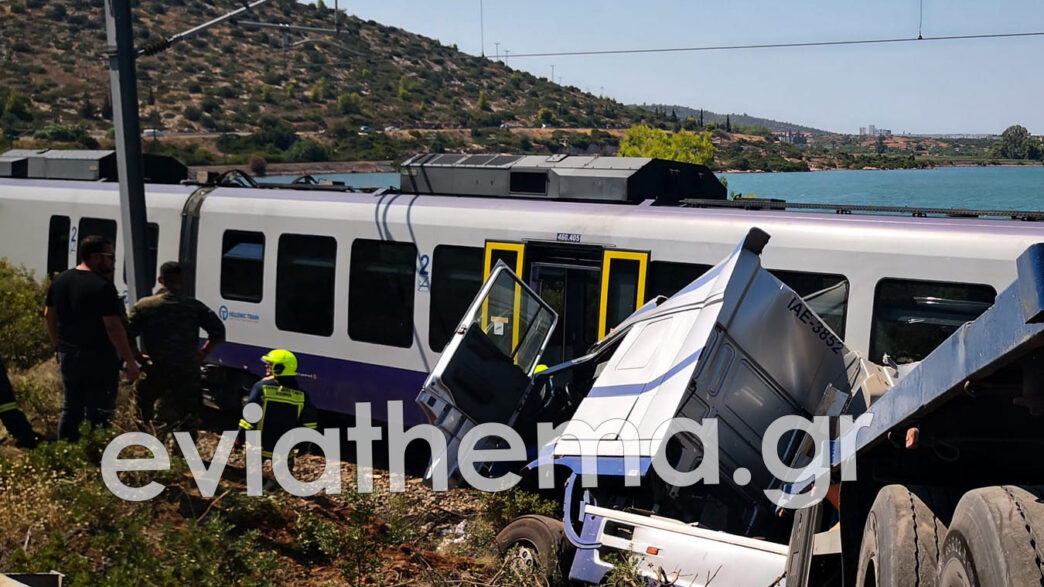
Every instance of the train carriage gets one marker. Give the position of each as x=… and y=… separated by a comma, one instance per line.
x=367, y=287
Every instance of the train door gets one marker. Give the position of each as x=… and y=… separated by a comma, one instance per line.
x=568, y=278
x=591, y=288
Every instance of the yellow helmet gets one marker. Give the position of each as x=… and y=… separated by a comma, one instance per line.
x=283, y=362
x=539, y=368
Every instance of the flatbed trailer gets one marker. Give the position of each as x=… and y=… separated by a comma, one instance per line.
x=950, y=470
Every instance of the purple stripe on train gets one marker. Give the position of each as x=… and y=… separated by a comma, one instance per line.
x=336, y=385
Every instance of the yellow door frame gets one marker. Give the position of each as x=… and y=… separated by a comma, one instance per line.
x=642, y=257
x=519, y=249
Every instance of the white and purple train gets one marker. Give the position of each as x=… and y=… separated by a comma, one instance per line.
x=367, y=287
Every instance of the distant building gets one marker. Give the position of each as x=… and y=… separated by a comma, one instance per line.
x=792, y=136
x=873, y=131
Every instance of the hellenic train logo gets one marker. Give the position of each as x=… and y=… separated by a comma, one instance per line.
x=227, y=314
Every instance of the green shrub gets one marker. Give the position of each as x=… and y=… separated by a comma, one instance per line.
x=209, y=104
x=307, y=151
x=625, y=571
x=356, y=552
x=55, y=496
x=23, y=334
x=318, y=539
x=503, y=506
x=65, y=133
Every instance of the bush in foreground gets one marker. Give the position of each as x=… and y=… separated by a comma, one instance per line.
x=23, y=334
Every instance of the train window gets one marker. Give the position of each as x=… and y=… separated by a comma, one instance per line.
x=242, y=265
x=94, y=226
x=152, y=251
x=622, y=292
x=305, y=273
x=523, y=182
x=667, y=278
x=456, y=278
x=380, y=292
x=826, y=294
x=58, y=245
x=911, y=318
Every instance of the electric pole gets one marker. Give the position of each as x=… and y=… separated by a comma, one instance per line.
x=552, y=73
x=120, y=51
x=497, y=44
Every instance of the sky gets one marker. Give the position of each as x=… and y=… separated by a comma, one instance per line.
x=943, y=86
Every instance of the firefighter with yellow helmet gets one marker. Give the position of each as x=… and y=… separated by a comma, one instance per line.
x=284, y=404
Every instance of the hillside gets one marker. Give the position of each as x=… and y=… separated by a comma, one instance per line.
x=736, y=120
x=232, y=96
x=232, y=80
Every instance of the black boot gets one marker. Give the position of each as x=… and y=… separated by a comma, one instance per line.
x=18, y=425
x=29, y=442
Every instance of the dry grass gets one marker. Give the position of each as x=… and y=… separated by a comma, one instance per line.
x=57, y=514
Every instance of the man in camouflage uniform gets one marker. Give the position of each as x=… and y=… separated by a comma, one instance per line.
x=169, y=396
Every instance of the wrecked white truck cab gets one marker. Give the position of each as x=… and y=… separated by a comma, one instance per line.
x=670, y=415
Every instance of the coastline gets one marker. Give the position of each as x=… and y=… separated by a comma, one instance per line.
x=932, y=166
x=347, y=167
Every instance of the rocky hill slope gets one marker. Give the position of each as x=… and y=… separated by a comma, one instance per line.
x=735, y=120
x=235, y=79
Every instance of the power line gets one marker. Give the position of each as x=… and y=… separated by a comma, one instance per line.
x=507, y=52
x=779, y=45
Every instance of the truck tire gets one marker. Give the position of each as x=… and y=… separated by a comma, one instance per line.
x=901, y=540
x=996, y=538
x=540, y=541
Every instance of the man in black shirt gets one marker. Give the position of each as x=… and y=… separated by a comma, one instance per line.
x=85, y=322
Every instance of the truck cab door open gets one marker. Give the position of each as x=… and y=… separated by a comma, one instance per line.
x=484, y=373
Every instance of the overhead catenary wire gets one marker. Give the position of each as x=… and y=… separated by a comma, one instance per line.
x=601, y=52
x=777, y=45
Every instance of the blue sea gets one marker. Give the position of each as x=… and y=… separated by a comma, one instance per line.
x=356, y=180
x=997, y=188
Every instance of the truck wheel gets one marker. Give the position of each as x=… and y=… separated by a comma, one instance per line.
x=901, y=541
x=538, y=541
x=996, y=538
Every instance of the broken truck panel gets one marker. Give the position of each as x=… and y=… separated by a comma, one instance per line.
x=736, y=345
x=484, y=372
x=675, y=553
